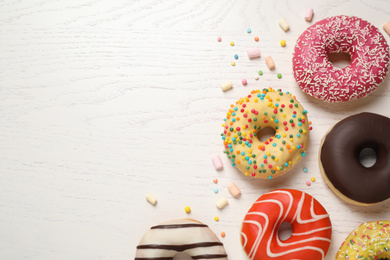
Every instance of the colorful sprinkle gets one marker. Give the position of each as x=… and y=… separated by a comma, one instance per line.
x=187, y=209
x=215, y=190
x=248, y=30
x=232, y=43
x=242, y=126
x=244, y=82
x=279, y=75
x=223, y=234
x=283, y=43
x=233, y=63
x=215, y=181
x=256, y=38
x=260, y=72
x=308, y=183
x=305, y=170
x=216, y=218
x=313, y=179
x=219, y=39
x=236, y=56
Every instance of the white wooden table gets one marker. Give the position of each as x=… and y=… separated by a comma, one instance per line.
x=102, y=102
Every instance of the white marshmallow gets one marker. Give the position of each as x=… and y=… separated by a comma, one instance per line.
x=221, y=203
x=284, y=25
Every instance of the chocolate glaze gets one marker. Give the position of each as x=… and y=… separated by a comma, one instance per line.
x=180, y=248
x=171, y=258
x=340, y=157
x=178, y=226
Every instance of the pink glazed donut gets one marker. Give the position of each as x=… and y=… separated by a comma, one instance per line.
x=366, y=46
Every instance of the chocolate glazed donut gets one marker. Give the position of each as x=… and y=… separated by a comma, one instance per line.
x=339, y=159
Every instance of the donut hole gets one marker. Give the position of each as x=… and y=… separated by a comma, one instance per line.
x=182, y=256
x=339, y=59
x=367, y=157
x=265, y=133
x=284, y=231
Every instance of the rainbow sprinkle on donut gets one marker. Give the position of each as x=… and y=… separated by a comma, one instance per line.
x=261, y=109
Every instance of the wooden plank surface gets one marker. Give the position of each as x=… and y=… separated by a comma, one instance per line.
x=102, y=102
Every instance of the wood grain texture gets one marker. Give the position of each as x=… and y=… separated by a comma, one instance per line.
x=102, y=102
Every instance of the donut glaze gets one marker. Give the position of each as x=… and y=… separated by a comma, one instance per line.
x=164, y=241
x=261, y=109
x=366, y=46
x=311, y=227
x=339, y=158
x=368, y=241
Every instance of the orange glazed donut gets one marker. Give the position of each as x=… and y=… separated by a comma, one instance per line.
x=311, y=227
x=251, y=114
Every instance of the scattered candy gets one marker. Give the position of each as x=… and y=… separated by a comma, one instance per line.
x=219, y=39
x=223, y=234
x=221, y=203
x=309, y=14
x=215, y=190
x=308, y=183
x=386, y=27
x=244, y=82
x=248, y=30
x=284, y=25
x=151, y=199
x=260, y=72
x=232, y=43
x=233, y=63
x=256, y=38
x=217, y=162
x=216, y=218
x=279, y=75
x=187, y=209
x=313, y=179
x=283, y=43
x=226, y=86
x=253, y=53
x=236, y=56
x=305, y=170
x=234, y=190
x=256, y=77
x=215, y=181
x=270, y=62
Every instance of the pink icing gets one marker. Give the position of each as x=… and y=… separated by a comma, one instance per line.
x=317, y=76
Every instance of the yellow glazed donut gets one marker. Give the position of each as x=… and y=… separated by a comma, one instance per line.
x=261, y=109
x=370, y=240
x=187, y=236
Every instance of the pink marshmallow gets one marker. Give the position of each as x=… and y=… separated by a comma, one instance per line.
x=217, y=162
x=253, y=53
x=234, y=190
x=309, y=14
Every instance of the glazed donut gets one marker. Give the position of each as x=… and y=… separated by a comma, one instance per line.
x=339, y=159
x=261, y=109
x=368, y=241
x=189, y=236
x=311, y=227
x=364, y=43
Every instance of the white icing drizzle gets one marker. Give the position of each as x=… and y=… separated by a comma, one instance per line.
x=260, y=222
